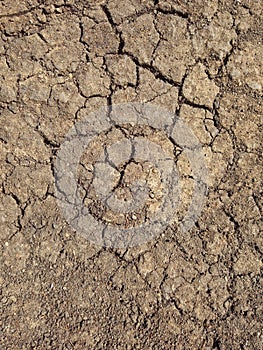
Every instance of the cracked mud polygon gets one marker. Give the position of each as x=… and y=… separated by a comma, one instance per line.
x=62, y=60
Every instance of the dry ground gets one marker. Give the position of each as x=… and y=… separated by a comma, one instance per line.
x=61, y=60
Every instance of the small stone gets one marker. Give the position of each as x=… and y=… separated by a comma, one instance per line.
x=59, y=10
x=134, y=217
x=50, y=9
x=108, y=220
x=42, y=17
x=13, y=299
x=152, y=195
x=255, y=86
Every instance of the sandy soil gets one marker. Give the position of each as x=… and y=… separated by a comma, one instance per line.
x=200, y=60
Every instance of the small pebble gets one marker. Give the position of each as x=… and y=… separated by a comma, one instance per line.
x=42, y=17
x=59, y=10
x=152, y=195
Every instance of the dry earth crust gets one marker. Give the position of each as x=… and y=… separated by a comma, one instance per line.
x=61, y=60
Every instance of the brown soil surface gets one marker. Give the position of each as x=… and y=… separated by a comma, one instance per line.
x=201, y=60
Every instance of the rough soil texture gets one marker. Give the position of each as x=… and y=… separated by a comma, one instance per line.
x=59, y=61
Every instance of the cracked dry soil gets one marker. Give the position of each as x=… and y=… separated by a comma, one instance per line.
x=61, y=60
